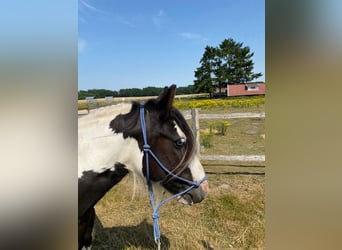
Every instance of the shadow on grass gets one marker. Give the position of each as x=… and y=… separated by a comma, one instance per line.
x=139, y=236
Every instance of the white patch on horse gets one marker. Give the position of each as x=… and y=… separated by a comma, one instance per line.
x=196, y=169
x=195, y=165
x=180, y=132
x=99, y=148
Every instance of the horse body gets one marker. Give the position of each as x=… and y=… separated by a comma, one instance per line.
x=111, y=145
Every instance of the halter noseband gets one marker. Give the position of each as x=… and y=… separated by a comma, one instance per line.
x=147, y=152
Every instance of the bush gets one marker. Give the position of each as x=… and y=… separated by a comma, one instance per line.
x=222, y=127
x=206, y=140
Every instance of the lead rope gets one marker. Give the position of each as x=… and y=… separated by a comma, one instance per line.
x=155, y=209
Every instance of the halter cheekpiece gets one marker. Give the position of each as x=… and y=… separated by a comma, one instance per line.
x=148, y=152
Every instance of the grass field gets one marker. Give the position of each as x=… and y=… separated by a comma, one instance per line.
x=243, y=137
x=231, y=217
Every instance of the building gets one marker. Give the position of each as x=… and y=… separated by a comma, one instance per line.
x=255, y=88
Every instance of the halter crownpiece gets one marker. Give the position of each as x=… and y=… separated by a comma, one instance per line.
x=147, y=151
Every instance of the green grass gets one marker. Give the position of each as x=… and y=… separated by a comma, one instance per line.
x=231, y=217
x=243, y=137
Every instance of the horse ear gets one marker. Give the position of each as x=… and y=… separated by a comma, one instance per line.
x=165, y=99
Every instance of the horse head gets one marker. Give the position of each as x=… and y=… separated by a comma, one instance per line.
x=171, y=141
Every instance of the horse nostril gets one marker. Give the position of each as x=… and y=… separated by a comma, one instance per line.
x=205, y=186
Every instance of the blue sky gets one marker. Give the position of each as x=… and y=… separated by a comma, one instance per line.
x=135, y=44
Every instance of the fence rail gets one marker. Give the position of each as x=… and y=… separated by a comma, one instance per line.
x=189, y=115
x=235, y=158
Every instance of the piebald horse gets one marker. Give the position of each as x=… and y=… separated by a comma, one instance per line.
x=152, y=140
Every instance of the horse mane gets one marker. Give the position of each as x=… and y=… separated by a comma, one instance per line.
x=128, y=124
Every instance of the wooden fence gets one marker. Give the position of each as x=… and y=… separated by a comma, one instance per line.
x=194, y=115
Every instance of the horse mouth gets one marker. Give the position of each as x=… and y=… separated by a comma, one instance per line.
x=195, y=195
x=185, y=199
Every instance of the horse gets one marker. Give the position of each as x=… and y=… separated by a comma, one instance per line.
x=151, y=140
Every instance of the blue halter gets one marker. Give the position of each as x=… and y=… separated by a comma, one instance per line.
x=147, y=152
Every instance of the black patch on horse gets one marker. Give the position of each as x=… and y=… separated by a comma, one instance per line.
x=92, y=186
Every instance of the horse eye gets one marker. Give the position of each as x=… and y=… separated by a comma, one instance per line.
x=180, y=142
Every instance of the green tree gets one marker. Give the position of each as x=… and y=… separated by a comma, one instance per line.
x=190, y=89
x=130, y=92
x=97, y=93
x=238, y=64
x=151, y=91
x=205, y=74
x=230, y=62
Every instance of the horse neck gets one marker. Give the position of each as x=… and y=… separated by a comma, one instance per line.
x=100, y=149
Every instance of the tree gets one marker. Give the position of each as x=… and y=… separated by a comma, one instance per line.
x=148, y=91
x=190, y=89
x=151, y=91
x=130, y=92
x=205, y=74
x=230, y=63
x=97, y=93
x=238, y=64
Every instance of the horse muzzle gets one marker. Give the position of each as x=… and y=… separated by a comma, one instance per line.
x=195, y=195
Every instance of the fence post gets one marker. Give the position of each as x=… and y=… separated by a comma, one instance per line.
x=196, y=128
x=92, y=102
